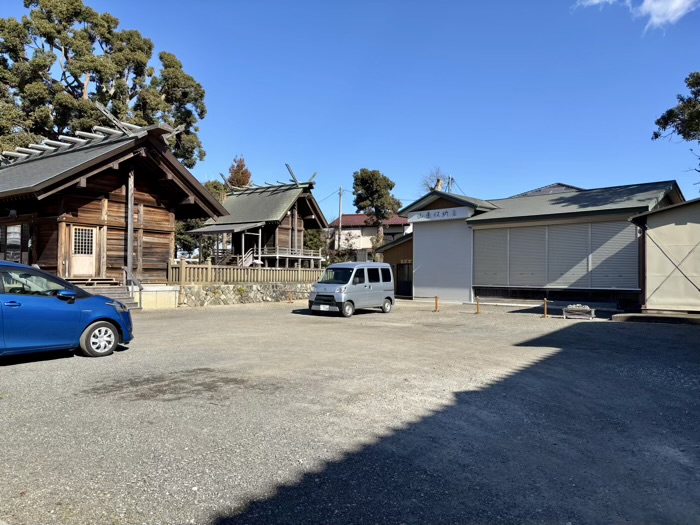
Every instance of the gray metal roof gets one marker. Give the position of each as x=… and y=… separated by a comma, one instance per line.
x=630, y=198
x=641, y=218
x=265, y=204
x=32, y=173
x=227, y=228
x=434, y=195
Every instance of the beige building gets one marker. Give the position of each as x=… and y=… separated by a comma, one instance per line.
x=356, y=234
x=671, y=266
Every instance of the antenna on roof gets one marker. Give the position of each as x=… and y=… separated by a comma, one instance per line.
x=292, y=174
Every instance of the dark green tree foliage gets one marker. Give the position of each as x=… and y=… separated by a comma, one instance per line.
x=63, y=55
x=372, y=191
x=184, y=243
x=315, y=239
x=239, y=175
x=217, y=189
x=684, y=118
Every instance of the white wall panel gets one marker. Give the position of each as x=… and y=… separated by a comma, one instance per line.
x=528, y=256
x=442, y=259
x=567, y=260
x=491, y=257
x=614, y=261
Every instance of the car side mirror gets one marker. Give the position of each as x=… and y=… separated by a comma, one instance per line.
x=356, y=280
x=67, y=295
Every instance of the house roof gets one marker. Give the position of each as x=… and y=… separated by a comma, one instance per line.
x=359, y=220
x=642, y=217
x=399, y=240
x=42, y=168
x=631, y=199
x=459, y=200
x=268, y=204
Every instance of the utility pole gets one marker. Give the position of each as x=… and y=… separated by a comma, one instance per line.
x=340, y=215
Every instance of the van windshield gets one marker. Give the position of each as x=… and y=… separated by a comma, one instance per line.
x=336, y=276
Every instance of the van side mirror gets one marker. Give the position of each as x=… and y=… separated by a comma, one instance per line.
x=356, y=280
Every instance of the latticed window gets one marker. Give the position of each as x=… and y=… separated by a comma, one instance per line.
x=83, y=241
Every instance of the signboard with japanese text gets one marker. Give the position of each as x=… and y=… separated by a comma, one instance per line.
x=448, y=214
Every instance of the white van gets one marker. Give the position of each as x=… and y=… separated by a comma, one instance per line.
x=345, y=287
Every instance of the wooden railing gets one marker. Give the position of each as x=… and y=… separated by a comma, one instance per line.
x=181, y=272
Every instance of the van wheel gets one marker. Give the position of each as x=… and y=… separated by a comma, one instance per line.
x=348, y=309
x=386, y=306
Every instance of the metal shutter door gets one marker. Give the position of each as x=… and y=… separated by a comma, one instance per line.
x=567, y=259
x=615, y=258
x=491, y=257
x=528, y=256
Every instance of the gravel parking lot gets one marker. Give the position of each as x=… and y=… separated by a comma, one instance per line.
x=258, y=414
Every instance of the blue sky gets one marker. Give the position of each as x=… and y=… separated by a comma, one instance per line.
x=504, y=96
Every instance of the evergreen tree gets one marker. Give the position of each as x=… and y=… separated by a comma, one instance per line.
x=239, y=175
x=373, y=197
x=63, y=56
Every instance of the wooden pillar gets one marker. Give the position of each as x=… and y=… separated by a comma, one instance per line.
x=260, y=244
x=62, y=260
x=103, y=238
x=130, y=222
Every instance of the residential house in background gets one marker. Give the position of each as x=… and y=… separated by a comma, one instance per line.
x=356, y=234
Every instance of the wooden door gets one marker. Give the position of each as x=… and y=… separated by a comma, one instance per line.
x=83, y=251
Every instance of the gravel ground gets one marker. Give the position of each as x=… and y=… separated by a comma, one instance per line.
x=258, y=414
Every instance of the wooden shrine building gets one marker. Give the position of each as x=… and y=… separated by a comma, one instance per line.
x=265, y=227
x=91, y=205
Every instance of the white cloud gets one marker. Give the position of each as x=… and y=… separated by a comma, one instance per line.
x=658, y=12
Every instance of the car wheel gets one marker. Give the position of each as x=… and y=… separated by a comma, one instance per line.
x=348, y=309
x=386, y=306
x=99, y=339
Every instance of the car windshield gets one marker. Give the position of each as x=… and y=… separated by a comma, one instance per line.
x=336, y=276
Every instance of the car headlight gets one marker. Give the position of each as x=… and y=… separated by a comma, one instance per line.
x=119, y=307
x=313, y=287
x=341, y=289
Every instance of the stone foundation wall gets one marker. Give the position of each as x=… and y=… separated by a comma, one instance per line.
x=223, y=294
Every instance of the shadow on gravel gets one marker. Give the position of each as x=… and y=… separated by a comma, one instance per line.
x=558, y=311
x=606, y=430
x=33, y=357
x=306, y=311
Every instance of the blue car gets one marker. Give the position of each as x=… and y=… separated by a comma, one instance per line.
x=40, y=312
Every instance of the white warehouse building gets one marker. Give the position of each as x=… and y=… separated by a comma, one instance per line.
x=559, y=241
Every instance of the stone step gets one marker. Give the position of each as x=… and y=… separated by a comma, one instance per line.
x=118, y=293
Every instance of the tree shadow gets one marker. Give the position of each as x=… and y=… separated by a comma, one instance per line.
x=634, y=196
x=605, y=430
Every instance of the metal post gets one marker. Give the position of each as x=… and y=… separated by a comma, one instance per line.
x=181, y=294
x=545, y=308
x=340, y=217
